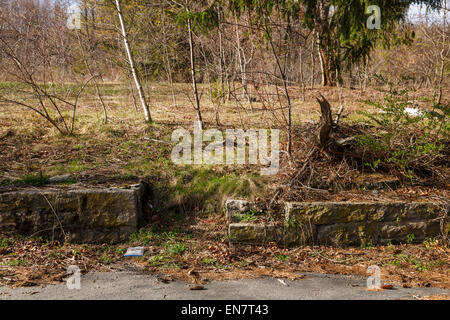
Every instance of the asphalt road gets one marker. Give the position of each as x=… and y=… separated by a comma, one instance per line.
x=128, y=285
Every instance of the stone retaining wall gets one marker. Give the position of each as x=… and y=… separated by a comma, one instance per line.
x=343, y=223
x=86, y=215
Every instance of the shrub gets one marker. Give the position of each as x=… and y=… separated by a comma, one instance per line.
x=409, y=140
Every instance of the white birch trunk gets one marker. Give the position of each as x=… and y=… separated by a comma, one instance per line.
x=141, y=94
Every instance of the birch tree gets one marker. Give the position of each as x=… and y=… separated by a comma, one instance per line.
x=137, y=81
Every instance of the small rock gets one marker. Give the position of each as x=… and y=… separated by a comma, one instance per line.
x=61, y=178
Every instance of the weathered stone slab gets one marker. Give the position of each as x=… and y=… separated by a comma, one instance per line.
x=348, y=234
x=347, y=224
x=86, y=215
x=324, y=213
x=399, y=232
x=236, y=207
x=252, y=233
x=257, y=233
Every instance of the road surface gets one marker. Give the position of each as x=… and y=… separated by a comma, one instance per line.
x=130, y=285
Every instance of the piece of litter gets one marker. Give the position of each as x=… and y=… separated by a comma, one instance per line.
x=196, y=287
x=413, y=111
x=135, y=252
x=283, y=282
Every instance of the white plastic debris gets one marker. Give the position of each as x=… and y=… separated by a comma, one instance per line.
x=283, y=282
x=135, y=252
x=413, y=111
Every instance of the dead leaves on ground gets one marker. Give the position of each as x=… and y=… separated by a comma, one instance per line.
x=35, y=262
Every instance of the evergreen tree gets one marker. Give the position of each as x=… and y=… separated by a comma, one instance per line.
x=343, y=37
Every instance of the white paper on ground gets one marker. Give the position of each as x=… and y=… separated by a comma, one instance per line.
x=135, y=252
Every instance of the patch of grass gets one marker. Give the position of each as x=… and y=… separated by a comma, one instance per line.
x=209, y=261
x=192, y=189
x=147, y=236
x=69, y=181
x=5, y=182
x=105, y=258
x=35, y=179
x=174, y=248
x=396, y=263
x=410, y=238
x=414, y=262
x=430, y=243
x=16, y=263
x=283, y=257
x=76, y=166
x=4, y=243
x=10, y=85
x=244, y=263
x=250, y=216
x=56, y=255
x=156, y=260
x=437, y=263
x=366, y=245
x=120, y=251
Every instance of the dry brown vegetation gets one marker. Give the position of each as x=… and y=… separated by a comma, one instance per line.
x=125, y=149
x=68, y=106
x=196, y=257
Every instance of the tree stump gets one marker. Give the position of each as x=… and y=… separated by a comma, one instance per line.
x=326, y=122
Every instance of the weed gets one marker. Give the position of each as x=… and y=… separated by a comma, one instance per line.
x=35, y=180
x=410, y=238
x=283, y=257
x=209, y=261
x=105, y=258
x=4, y=243
x=173, y=247
x=148, y=236
x=16, y=263
x=56, y=255
x=366, y=245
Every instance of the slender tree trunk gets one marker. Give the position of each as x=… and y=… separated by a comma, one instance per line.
x=144, y=104
x=242, y=66
x=313, y=60
x=221, y=55
x=285, y=85
x=94, y=76
x=130, y=84
x=193, y=73
x=322, y=66
x=324, y=44
x=442, y=56
x=211, y=98
x=167, y=58
x=326, y=66
x=302, y=80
